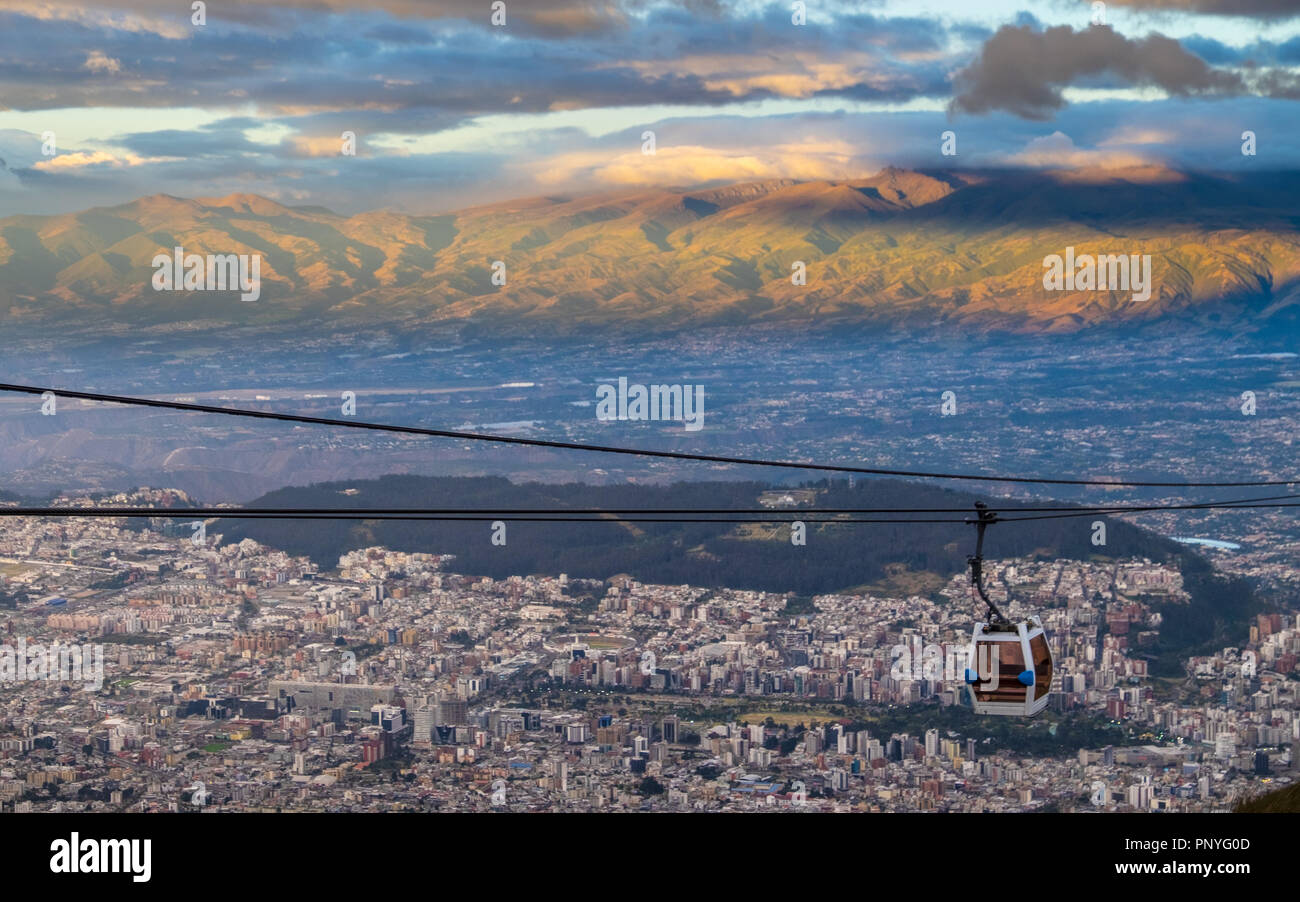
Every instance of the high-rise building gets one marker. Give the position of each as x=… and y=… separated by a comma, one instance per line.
x=1225, y=745
x=452, y=711
x=425, y=719
x=389, y=718
x=355, y=700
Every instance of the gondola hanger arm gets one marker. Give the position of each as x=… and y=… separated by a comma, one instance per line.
x=983, y=520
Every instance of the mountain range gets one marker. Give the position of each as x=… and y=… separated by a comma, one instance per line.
x=900, y=249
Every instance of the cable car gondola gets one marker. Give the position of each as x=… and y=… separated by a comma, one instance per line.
x=1009, y=665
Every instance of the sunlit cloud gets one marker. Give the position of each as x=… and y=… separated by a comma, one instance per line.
x=1058, y=151
x=697, y=164
x=96, y=61
x=97, y=159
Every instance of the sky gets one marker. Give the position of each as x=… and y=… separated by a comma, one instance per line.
x=456, y=103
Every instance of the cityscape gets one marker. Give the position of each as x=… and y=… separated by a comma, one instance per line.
x=547, y=411
x=236, y=677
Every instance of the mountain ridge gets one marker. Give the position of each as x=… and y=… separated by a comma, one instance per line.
x=898, y=249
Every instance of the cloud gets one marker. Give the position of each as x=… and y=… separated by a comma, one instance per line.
x=317, y=146
x=789, y=74
x=1279, y=83
x=1058, y=151
x=303, y=62
x=219, y=159
x=96, y=61
x=555, y=18
x=1023, y=70
x=1130, y=135
x=67, y=162
x=221, y=139
x=697, y=153
x=450, y=111
x=693, y=166
x=1264, y=9
x=126, y=20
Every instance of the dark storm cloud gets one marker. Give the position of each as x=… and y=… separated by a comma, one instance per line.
x=1278, y=84
x=1264, y=9
x=1023, y=70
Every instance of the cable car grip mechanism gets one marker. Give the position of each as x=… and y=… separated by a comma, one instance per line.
x=985, y=518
